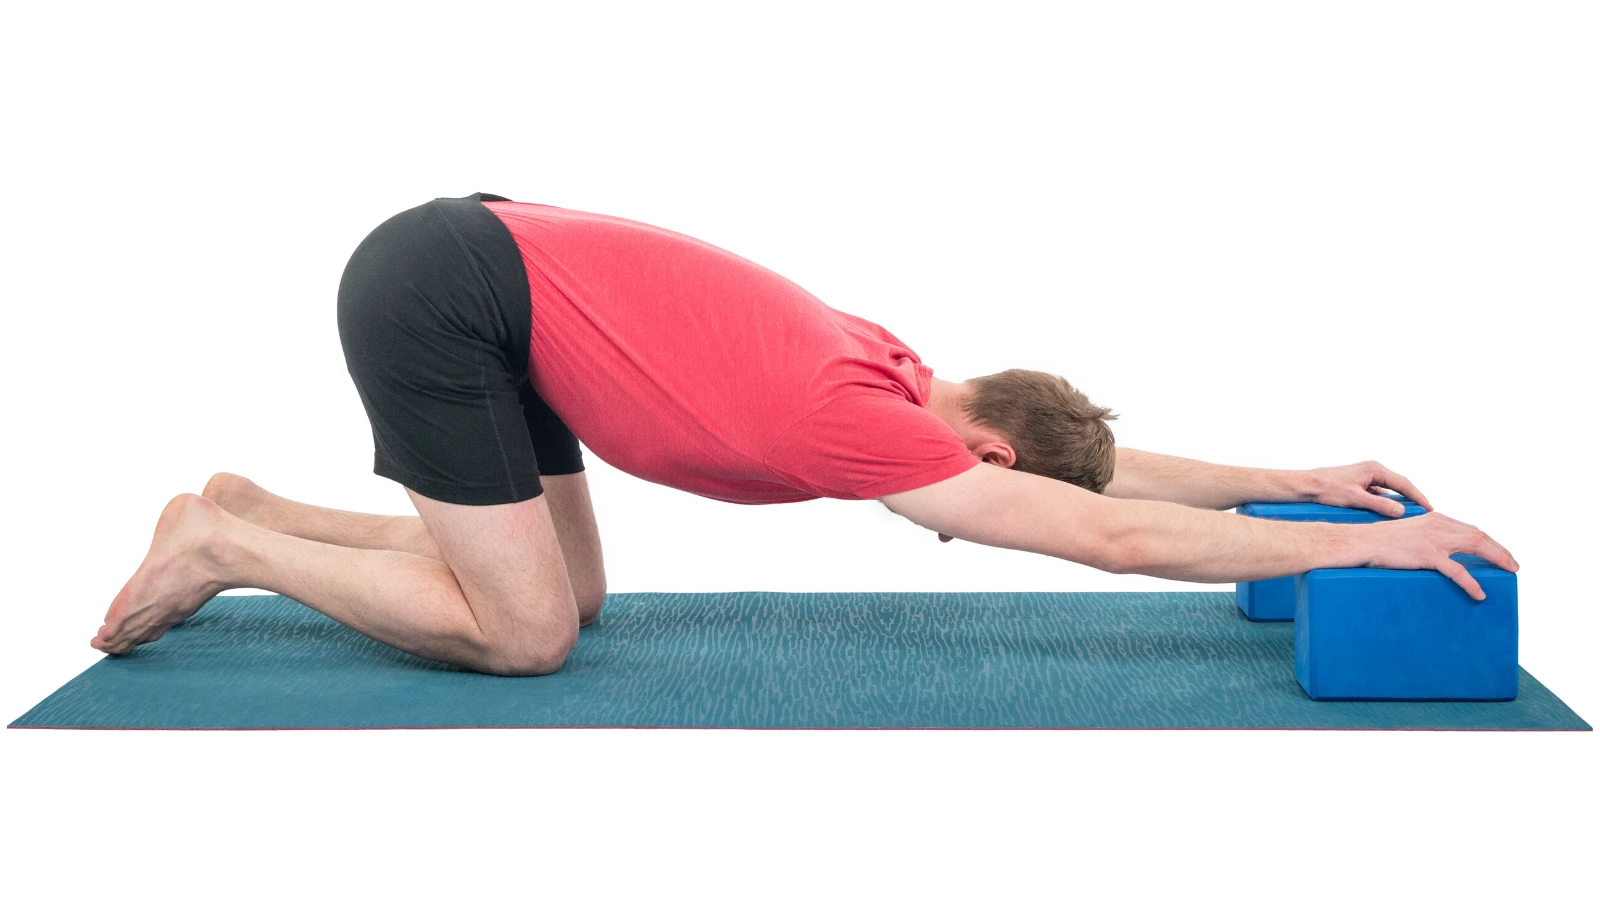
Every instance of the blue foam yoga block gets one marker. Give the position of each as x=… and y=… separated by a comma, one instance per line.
x=1401, y=634
x=1272, y=600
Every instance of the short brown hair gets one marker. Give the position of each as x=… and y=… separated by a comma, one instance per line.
x=1052, y=427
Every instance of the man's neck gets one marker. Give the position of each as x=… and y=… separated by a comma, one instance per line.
x=945, y=399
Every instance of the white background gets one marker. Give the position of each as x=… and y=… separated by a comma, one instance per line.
x=1271, y=234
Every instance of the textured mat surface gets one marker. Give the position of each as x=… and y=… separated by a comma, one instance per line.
x=767, y=660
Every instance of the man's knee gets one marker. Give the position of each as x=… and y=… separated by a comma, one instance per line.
x=539, y=655
x=589, y=608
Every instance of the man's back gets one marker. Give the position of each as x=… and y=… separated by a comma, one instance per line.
x=686, y=365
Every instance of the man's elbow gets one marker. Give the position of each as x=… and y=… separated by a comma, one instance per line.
x=1119, y=556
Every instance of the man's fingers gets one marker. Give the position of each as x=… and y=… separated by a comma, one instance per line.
x=1458, y=573
x=1490, y=549
x=1403, y=485
x=1386, y=504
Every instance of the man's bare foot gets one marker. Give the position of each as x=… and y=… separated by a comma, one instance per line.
x=235, y=493
x=179, y=574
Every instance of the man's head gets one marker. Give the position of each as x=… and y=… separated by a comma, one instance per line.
x=1037, y=422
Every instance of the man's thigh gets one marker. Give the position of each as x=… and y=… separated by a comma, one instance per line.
x=507, y=559
x=573, y=513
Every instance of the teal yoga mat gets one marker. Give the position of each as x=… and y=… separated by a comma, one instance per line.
x=768, y=660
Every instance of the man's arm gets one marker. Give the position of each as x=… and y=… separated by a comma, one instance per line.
x=1140, y=475
x=1002, y=507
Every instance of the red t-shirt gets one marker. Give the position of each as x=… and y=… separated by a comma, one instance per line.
x=688, y=366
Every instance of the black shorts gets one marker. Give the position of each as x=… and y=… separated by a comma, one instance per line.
x=435, y=318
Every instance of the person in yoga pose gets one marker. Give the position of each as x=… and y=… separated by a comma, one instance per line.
x=486, y=338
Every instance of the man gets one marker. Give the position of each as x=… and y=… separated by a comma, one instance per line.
x=477, y=330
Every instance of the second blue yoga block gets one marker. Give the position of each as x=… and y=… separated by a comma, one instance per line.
x=1273, y=600
x=1406, y=634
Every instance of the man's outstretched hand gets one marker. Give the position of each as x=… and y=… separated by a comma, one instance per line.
x=1361, y=486
x=1426, y=542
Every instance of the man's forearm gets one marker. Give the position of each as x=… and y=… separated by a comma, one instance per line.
x=1140, y=475
x=1170, y=540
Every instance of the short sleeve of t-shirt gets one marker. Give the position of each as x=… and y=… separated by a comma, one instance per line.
x=868, y=443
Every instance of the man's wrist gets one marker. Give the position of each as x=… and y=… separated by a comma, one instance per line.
x=1343, y=546
x=1290, y=486
x=1307, y=485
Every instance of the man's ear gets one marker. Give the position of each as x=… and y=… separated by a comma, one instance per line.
x=997, y=453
